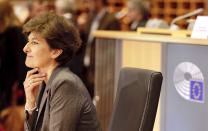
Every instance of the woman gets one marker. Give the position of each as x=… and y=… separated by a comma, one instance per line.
x=56, y=99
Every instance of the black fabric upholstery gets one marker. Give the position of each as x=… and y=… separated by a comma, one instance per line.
x=136, y=100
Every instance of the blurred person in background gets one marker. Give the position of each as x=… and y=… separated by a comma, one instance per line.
x=1, y=127
x=36, y=8
x=12, y=118
x=138, y=13
x=82, y=13
x=98, y=18
x=12, y=68
x=66, y=8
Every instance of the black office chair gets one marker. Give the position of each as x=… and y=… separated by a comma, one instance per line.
x=136, y=100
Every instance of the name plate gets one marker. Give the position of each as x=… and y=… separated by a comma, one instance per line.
x=200, y=29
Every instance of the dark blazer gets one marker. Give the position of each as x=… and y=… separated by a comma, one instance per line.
x=107, y=22
x=140, y=23
x=63, y=104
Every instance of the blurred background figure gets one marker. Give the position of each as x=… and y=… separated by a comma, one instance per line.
x=12, y=118
x=138, y=13
x=66, y=8
x=37, y=7
x=21, y=10
x=12, y=67
x=98, y=18
x=1, y=127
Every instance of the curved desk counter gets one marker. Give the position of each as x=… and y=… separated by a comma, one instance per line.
x=157, y=51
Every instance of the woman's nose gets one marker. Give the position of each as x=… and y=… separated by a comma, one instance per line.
x=26, y=48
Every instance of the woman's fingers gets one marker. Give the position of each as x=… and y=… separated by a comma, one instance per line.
x=29, y=73
x=36, y=78
x=40, y=75
x=34, y=84
x=39, y=79
x=31, y=78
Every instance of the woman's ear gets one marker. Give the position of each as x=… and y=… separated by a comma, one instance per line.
x=56, y=53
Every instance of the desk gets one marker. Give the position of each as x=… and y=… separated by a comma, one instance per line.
x=116, y=49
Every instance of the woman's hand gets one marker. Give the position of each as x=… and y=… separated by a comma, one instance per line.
x=31, y=84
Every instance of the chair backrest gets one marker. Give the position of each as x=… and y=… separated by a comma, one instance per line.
x=136, y=100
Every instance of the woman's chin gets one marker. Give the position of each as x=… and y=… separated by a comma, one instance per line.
x=29, y=65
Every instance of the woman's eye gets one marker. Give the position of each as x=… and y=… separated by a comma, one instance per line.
x=35, y=43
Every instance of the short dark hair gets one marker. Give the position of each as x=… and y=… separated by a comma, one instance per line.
x=58, y=32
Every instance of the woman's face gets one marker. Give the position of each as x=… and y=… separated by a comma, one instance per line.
x=38, y=52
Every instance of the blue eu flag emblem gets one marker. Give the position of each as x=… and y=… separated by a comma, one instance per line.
x=196, y=93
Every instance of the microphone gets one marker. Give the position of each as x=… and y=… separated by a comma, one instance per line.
x=173, y=26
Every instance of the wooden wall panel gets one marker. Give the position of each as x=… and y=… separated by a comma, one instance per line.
x=104, y=80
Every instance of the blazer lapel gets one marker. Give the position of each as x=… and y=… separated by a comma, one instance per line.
x=43, y=99
x=40, y=94
x=42, y=104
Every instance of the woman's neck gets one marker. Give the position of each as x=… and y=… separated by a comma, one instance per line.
x=48, y=71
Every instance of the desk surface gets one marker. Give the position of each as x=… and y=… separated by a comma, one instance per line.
x=127, y=35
